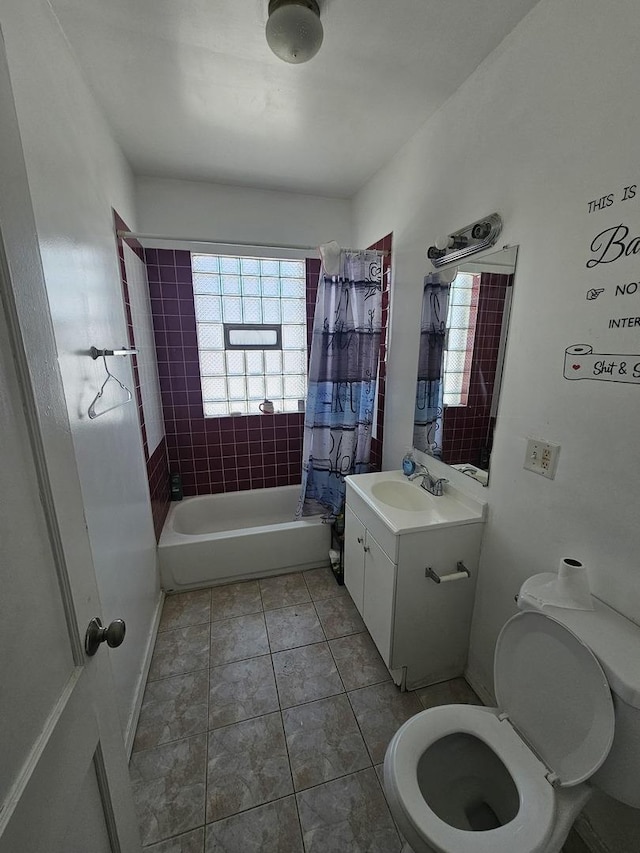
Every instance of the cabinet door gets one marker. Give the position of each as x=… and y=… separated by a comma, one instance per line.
x=379, y=595
x=354, y=533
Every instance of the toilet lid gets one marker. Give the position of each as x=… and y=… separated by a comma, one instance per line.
x=556, y=695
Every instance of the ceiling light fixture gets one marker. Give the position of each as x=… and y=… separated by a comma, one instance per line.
x=294, y=31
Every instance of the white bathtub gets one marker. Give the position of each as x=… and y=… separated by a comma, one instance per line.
x=215, y=539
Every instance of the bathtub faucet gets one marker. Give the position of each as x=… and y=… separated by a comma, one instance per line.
x=433, y=485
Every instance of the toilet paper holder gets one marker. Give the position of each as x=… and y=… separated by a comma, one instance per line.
x=461, y=573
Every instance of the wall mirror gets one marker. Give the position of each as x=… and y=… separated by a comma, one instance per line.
x=463, y=333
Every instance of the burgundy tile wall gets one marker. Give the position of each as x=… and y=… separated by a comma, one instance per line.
x=383, y=245
x=157, y=463
x=468, y=430
x=214, y=454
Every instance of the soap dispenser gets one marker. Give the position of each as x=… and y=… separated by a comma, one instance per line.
x=408, y=463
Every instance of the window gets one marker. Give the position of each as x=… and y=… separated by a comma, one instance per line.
x=252, y=333
x=461, y=323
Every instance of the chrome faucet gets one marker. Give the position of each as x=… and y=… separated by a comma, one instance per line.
x=433, y=485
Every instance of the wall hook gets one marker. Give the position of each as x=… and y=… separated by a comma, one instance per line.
x=96, y=353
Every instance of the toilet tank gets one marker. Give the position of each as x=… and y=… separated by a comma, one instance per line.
x=615, y=641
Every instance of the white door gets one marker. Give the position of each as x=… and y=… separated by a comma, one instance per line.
x=64, y=782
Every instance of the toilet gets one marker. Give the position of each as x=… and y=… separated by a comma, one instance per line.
x=512, y=779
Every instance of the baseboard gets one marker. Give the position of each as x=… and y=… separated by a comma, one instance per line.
x=142, y=680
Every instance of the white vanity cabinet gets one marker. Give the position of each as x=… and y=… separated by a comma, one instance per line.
x=421, y=628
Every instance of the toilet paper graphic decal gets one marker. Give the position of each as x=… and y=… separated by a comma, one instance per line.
x=581, y=362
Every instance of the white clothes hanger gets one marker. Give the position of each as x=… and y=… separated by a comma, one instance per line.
x=110, y=377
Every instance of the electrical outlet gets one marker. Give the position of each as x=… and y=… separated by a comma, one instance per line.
x=541, y=457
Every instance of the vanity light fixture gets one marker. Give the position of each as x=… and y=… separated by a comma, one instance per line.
x=467, y=241
x=294, y=30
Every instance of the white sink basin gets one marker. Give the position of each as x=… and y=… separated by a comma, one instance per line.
x=404, y=506
x=403, y=495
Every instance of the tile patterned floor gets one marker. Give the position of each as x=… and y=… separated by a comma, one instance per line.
x=264, y=723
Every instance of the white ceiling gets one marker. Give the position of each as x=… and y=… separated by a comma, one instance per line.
x=192, y=91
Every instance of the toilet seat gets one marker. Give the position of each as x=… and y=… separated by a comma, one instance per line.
x=529, y=829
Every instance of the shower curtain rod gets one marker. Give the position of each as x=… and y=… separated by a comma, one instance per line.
x=158, y=237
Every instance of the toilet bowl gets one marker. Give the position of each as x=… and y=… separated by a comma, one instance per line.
x=468, y=779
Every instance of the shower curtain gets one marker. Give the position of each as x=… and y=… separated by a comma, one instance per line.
x=427, y=424
x=342, y=381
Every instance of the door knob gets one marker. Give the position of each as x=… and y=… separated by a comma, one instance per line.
x=96, y=634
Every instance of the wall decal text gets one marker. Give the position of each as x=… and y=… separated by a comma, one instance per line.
x=616, y=242
x=608, y=200
x=627, y=289
x=611, y=244
x=624, y=322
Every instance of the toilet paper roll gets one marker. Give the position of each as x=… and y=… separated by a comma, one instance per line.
x=454, y=576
